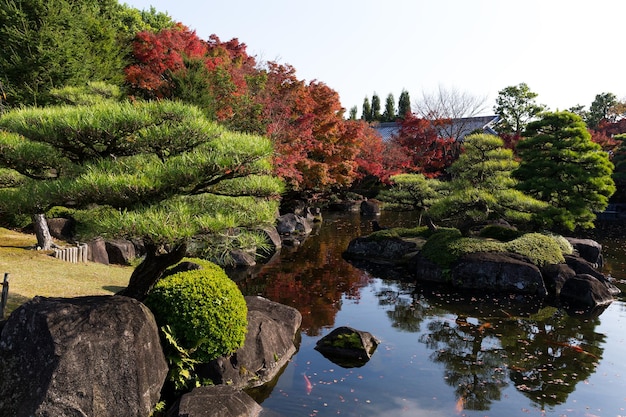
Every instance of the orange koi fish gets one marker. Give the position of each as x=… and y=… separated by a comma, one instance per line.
x=309, y=386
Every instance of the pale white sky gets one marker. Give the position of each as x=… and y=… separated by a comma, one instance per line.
x=567, y=51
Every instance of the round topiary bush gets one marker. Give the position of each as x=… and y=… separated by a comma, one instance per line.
x=206, y=312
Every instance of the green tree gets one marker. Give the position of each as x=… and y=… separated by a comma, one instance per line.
x=516, y=106
x=563, y=167
x=158, y=171
x=482, y=187
x=376, y=116
x=412, y=191
x=367, y=110
x=404, y=104
x=389, y=115
x=600, y=109
x=353, y=112
x=619, y=172
x=47, y=44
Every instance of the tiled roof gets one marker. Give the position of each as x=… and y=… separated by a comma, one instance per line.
x=458, y=128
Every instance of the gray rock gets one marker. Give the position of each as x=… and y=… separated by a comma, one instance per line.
x=272, y=237
x=242, y=258
x=61, y=228
x=292, y=223
x=268, y=346
x=391, y=250
x=120, y=251
x=86, y=356
x=370, y=208
x=347, y=347
x=583, y=267
x=217, y=401
x=588, y=249
x=585, y=292
x=498, y=272
x=98, y=251
x=554, y=276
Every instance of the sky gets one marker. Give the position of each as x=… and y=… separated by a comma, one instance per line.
x=566, y=51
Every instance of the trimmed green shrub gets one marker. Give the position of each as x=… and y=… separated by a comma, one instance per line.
x=566, y=247
x=501, y=233
x=204, y=309
x=540, y=249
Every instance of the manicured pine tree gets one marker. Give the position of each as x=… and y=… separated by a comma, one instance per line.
x=156, y=171
x=563, y=167
x=367, y=110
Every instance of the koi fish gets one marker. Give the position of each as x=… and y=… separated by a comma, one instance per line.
x=575, y=348
x=460, y=405
x=309, y=386
x=484, y=326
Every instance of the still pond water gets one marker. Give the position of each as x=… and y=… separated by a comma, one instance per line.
x=441, y=354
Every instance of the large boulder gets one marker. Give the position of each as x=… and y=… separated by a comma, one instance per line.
x=268, y=346
x=584, y=293
x=61, y=228
x=588, y=249
x=98, y=251
x=387, y=250
x=87, y=356
x=291, y=223
x=370, y=208
x=498, y=272
x=217, y=401
x=554, y=276
x=120, y=251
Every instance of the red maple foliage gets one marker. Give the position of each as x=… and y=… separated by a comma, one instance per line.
x=429, y=153
x=156, y=54
x=315, y=148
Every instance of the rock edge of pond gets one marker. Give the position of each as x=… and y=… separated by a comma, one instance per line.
x=576, y=284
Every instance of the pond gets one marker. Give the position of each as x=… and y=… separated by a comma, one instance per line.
x=441, y=354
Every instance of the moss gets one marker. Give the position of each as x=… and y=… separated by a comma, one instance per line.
x=401, y=232
x=540, y=249
x=447, y=246
x=204, y=308
x=347, y=341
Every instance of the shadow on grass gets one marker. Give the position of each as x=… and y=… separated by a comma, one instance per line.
x=13, y=302
x=113, y=288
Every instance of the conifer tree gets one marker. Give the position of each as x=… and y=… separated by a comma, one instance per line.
x=563, y=167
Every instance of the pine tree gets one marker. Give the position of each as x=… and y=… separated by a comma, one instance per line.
x=404, y=104
x=563, y=167
x=389, y=115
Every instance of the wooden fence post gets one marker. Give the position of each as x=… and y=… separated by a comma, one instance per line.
x=5, y=294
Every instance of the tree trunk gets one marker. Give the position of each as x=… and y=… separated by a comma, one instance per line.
x=44, y=240
x=151, y=269
x=429, y=222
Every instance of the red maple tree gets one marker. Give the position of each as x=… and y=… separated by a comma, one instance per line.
x=429, y=153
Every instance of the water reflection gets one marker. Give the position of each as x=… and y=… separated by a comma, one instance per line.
x=492, y=353
x=487, y=343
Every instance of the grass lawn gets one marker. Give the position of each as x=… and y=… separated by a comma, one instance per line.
x=34, y=273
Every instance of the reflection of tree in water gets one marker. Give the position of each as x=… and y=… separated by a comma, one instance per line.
x=314, y=278
x=473, y=360
x=541, y=350
x=550, y=353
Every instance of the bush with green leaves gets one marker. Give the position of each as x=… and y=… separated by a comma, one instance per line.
x=204, y=310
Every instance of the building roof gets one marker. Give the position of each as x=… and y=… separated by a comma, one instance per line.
x=457, y=128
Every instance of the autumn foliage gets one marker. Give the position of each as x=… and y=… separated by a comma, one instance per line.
x=316, y=149
x=429, y=153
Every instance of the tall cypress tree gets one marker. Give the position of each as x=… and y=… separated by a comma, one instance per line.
x=404, y=104
x=376, y=115
x=367, y=110
x=389, y=115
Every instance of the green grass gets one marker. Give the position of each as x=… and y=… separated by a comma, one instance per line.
x=33, y=273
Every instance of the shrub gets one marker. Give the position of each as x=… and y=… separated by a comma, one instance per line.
x=204, y=309
x=566, y=247
x=540, y=249
x=420, y=231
